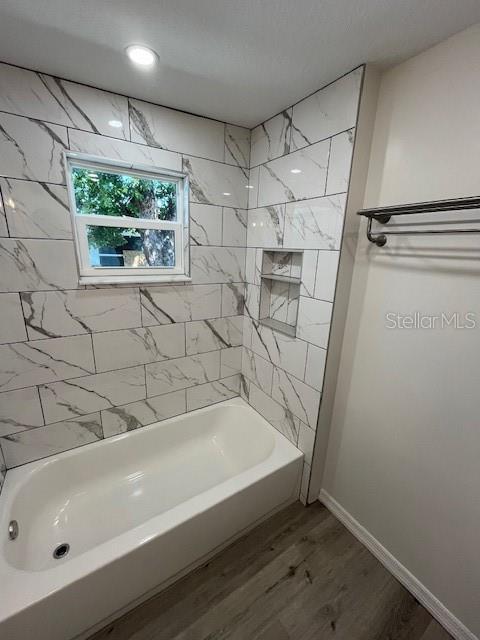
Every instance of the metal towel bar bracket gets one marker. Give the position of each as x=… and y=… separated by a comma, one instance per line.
x=384, y=214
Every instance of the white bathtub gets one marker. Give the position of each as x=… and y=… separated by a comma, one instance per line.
x=137, y=510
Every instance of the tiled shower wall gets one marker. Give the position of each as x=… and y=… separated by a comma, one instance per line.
x=81, y=363
x=299, y=177
x=78, y=364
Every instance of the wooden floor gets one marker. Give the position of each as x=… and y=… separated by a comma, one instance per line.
x=298, y=576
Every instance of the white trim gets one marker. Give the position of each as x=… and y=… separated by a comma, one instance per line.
x=438, y=610
x=133, y=279
x=180, y=272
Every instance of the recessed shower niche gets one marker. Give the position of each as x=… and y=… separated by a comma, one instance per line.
x=281, y=278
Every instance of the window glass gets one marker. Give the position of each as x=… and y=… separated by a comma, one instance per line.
x=130, y=248
x=120, y=194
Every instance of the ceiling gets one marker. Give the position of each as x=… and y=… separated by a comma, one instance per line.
x=241, y=61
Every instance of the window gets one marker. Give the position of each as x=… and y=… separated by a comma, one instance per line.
x=131, y=225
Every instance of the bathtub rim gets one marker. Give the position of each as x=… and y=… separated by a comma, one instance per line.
x=27, y=587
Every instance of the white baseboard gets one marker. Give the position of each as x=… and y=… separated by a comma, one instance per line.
x=445, y=617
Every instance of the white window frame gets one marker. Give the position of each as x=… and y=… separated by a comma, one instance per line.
x=104, y=275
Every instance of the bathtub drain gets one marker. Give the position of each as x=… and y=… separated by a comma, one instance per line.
x=61, y=551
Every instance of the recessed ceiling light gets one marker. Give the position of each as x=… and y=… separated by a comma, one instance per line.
x=142, y=56
x=226, y=193
x=295, y=171
x=249, y=186
x=116, y=124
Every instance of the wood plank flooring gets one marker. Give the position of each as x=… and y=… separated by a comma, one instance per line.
x=298, y=576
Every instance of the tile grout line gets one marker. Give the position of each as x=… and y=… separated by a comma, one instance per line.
x=104, y=331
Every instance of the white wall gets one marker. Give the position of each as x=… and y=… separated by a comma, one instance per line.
x=403, y=456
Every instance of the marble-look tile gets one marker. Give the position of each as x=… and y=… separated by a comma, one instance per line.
x=283, y=351
x=292, y=304
x=279, y=300
x=127, y=152
x=36, y=209
x=25, y=364
x=326, y=277
x=247, y=331
x=340, y=161
x=327, y=112
x=314, y=318
x=252, y=187
x=257, y=370
x=131, y=416
x=70, y=398
x=130, y=347
x=212, y=392
x=3, y=219
x=253, y=268
x=306, y=441
x=218, y=264
x=29, y=265
x=12, y=326
x=265, y=226
x=171, y=375
x=304, y=484
x=252, y=301
x=315, y=224
x=32, y=149
x=3, y=469
x=298, y=176
x=52, y=314
x=296, y=260
x=234, y=227
x=20, y=410
x=216, y=183
x=44, y=97
x=271, y=139
x=237, y=145
x=278, y=263
x=34, y=444
x=176, y=131
x=315, y=369
x=265, y=301
x=205, y=225
x=296, y=396
x=308, y=273
x=277, y=415
x=244, y=388
x=218, y=333
x=168, y=304
x=233, y=298
x=230, y=361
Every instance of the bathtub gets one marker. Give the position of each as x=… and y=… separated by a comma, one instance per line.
x=137, y=510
